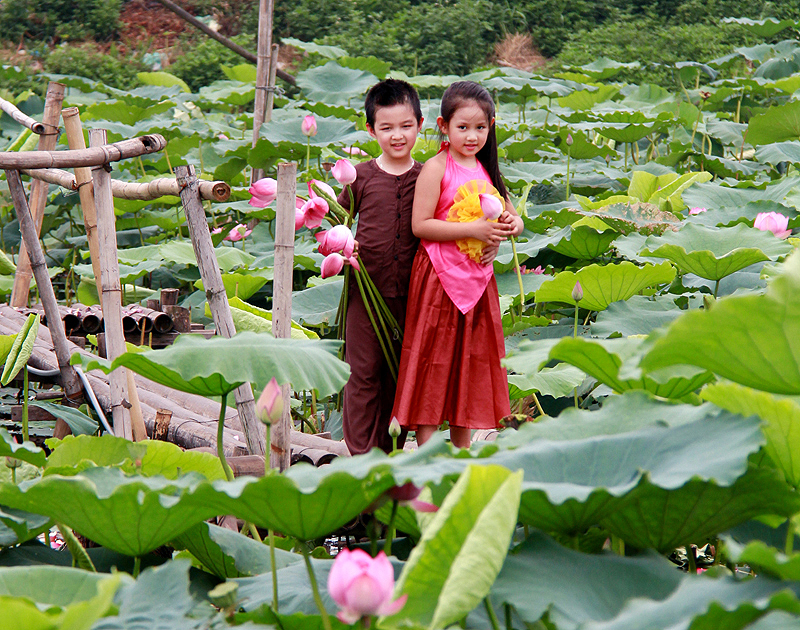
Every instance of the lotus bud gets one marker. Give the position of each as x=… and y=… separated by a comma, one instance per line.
x=270, y=404
x=238, y=233
x=362, y=586
x=322, y=186
x=577, y=292
x=13, y=462
x=773, y=222
x=394, y=428
x=492, y=207
x=309, y=126
x=407, y=495
x=569, y=140
x=263, y=192
x=344, y=172
x=332, y=265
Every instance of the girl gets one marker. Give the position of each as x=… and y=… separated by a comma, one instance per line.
x=453, y=342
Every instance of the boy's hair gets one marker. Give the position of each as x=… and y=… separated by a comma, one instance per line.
x=391, y=92
x=458, y=94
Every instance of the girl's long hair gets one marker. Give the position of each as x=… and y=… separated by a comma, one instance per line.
x=455, y=96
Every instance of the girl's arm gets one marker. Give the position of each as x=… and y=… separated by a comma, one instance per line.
x=426, y=197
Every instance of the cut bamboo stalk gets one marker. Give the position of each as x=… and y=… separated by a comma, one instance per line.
x=96, y=156
x=111, y=293
x=273, y=68
x=217, y=299
x=69, y=379
x=23, y=119
x=265, y=11
x=148, y=191
x=280, y=454
x=38, y=199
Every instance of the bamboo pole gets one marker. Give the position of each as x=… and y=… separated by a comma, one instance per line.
x=280, y=453
x=265, y=11
x=23, y=119
x=111, y=297
x=96, y=156
x=258, y=173
x=217, y=299
x=246, y=54
x=147, y=191
x=69, y=379
x=47, y=142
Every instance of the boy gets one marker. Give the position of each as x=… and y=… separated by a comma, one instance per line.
x=383, y=194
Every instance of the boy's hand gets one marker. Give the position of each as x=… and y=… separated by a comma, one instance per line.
x=489, y=254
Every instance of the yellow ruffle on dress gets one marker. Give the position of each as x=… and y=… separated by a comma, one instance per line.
x=466, y=208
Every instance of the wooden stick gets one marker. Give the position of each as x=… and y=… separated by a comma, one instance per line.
x=258, y=173
x=23, y=119
x=111, y=293
x=69, y=379
x=38, y=200
x=154, y=189
x=265, y=11
x=217, y=299
x=96, y=156
x=280, y=455
x=222, y=40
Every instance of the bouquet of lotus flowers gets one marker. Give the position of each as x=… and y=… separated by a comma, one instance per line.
x=337, y=244
x=474, y=200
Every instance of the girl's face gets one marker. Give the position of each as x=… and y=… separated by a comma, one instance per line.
x=467, y=129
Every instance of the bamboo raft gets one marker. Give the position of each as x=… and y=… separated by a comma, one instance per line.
x=194, y=418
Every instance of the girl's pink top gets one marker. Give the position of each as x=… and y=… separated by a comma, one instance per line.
x=463, y=279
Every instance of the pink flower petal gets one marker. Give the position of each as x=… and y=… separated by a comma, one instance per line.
x=423, y=506
x=492, y=207
x=344, y=172
x=354, y=263
x=332, y=265
x=390, y=608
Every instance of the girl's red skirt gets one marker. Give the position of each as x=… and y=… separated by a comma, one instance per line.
x=450, y=364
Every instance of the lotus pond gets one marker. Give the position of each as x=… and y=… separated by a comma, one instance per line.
x=653, y=478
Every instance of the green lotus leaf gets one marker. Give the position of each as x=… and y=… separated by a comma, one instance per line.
x=661, y=519
x=17, y=526
x=227, y=553
x=7, y=267
x=524, y=87
x=245, y=357
x=26, y=452
x=162, y=79
x=461, y=551
x=581, y=148
x=751, y=340
x=331, y=52
x=21, y=350
x=305, y=502
x=241, y=285
x=585, y=242
x=249, y=317
x=574, y=588
x=778, y=152
x=79, y=423
x=131, y=515
x=604, y=360
x=766, y=28
x=105, y=450
x=713, y=195
x=746, y=214
x=182, y=253
x=602, y=68
x=714, y=253
x=706, y=604
x=6, y=343
x=777, y=124
x=556, y=381
x=520, y=174
x=636, y=316
x=604, y=284
x=317, y=305
x=780, y=415
x=334, y=84
x=625, y=217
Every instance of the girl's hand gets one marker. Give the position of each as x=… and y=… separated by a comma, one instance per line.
x=513, y=221
x=489, y=254
x=490, y=233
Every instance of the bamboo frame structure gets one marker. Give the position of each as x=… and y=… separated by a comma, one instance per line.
x=38, y=196
x=280, y=455
x=264, y=56
x=22, y=118
x=95, y=156
x=217, y=299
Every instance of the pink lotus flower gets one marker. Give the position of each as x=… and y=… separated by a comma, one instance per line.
x=773, y=222
x=355, y=151
x=538, y=271
x=269, y=405
x=314, y=210
x=322, y=186
x=309, y=126
x=344, y=172
x=238, y=233
x=693, y=211
x=362, y=586
x=333, y=263
x=407, y=495
x=338, y=239
x=492, y=207
x=263, y=192
x=299, y=215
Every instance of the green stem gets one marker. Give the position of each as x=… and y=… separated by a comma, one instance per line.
x=789, y=547
x=509, y=623
x=380, y=303
x=716, y=288
x=352, y=212
x=377, y=329
x=269, y=449
x=691, y=559
x=326, y=622
x=490, y=611
x=137, y=566
x=308, y=154
x=220, y=428
x=519, y=277
x=387, y=546
x=568, y=157
x=537, y=403
x=24, y=403
x=394, y=443
x=274, y=571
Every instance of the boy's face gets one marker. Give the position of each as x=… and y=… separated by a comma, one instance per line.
x=395, y=129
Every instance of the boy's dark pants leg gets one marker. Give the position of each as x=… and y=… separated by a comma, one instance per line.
x=369, y=394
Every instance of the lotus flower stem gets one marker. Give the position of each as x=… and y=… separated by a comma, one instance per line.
x=387, y=546
x=569, y=151
x=519, y=277
x=492, y=615
x=352, y=206
x=272, y=565
x=326, y=622
x=716, y=289
x=789, y=546
x=575, y=336
x=509, y=621
x=381, y=315
x=381, y=303
x=308, y=154
x=690, y=559
x=375, y=326
x=137, y=566
x=538, y=404
x=220, y=429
